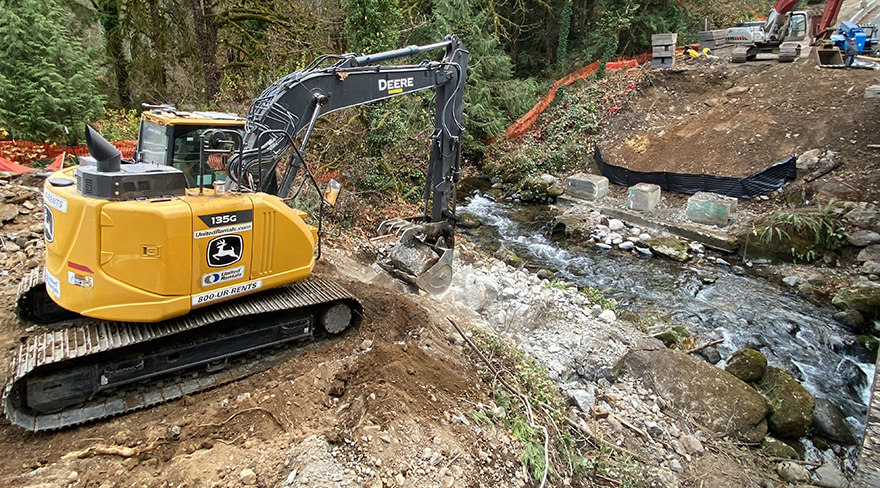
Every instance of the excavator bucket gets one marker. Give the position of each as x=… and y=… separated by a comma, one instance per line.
x=829, y=57
x=420, y=254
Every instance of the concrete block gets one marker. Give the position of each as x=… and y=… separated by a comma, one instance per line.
x=662, y=39
x=872, y=91
x=642, y=197
x=661, y=63
x=711, y=208
x=586, y=186
x=664, y=51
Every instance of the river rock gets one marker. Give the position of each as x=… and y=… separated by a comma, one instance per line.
x=777, y=448
x=582, y=399
x=719, y=400
x=852, y=319
x=809, y=159
x=569, y=224
x=829, y=423
x=827, y=476
x=748, y=365
x=862, y=238
x=413, y=256
x=864, y=299
x=248, y=477
x=870, y=268
x=8, y=211
x=792, y=472
x=862, y=218
x=711, y=354
x=855, y=378
x=692, y=445
x=670, y=247
x=869, y=253
x=668, y=337
x=791, y=405
x=507, y=256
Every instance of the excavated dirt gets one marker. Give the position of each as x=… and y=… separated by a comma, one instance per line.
x=734, y=120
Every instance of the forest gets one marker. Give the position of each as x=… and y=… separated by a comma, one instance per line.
x=70, y=62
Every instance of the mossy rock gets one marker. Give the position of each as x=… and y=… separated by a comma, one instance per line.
x=871, y=345
x=865, y=300
x=717, y=399
x=508, y=257
x=671, y=247
x=681, y=331
x=776, y=448
x=791, y=405
x=748, y=365
x=668, y=337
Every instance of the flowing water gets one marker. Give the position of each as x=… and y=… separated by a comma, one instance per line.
x=791, y=332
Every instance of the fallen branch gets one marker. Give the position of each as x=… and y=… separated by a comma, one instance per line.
x=823, y=170
x=120, y=451
x=516, y=392
x=601, y=442
x=634, y=428
x=704, y=346
x=236, y=414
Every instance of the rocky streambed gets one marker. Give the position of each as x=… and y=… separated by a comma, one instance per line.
x=708, y=311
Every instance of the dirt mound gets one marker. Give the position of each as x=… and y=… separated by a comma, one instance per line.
x=389, y=401
x=734, y=120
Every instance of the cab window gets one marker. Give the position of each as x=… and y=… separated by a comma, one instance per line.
x=154, y=143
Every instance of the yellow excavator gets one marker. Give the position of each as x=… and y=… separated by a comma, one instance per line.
x=185, y=267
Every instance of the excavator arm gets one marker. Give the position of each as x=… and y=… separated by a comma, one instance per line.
x=292, y=105
x=295, y=102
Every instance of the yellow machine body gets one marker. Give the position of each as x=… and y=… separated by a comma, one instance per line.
x=151, y=260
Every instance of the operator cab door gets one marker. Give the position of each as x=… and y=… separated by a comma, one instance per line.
x=797, y=27
x=178, y=146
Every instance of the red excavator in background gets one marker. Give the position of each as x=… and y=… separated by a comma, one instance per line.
x=782, y=32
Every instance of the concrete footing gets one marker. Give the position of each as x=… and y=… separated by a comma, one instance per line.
x=586, y=186
x=711, y=208
x=643, y=197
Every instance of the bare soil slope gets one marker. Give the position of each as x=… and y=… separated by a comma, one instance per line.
x=734, y=120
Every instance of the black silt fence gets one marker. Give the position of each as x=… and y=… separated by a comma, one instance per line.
x=760, y=183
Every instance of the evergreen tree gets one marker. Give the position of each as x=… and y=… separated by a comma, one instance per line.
x=493, y=97
x=47, y=82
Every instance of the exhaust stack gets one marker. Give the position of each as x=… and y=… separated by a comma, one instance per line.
x=108, y=157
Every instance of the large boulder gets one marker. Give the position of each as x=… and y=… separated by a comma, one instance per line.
x=670, y=247
x=829, y=423
x=864, y=299
x=748, y=365
x=720, y=401
x=791, y=405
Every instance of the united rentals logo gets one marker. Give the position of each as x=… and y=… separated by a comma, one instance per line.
x=225, y=250
x=48, y=224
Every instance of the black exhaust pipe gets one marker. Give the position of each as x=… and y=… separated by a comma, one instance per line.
x=108, y=158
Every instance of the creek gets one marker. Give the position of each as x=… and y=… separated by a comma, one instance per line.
x=745, y=311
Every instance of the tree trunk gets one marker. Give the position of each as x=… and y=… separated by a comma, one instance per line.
x=206, y=37
x=108, y=12
x=158, y=45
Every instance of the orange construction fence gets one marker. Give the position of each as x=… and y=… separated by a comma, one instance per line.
x=526, y=122
x=24, y=152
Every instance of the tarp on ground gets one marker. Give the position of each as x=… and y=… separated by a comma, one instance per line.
x=9, y=166
x=760, y=183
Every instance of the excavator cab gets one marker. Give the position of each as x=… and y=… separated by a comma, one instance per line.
x=170, y=137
